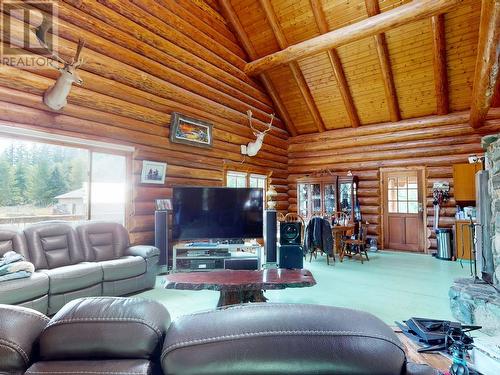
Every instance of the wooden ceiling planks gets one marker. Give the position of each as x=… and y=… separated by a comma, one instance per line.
x=427, y=78
x=236, y=25
x=336, y=64
x=294, y=66
x=462, y=33
x=373, y=9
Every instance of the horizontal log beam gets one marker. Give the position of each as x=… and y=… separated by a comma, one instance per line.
x=410, y=12
x=487, y=64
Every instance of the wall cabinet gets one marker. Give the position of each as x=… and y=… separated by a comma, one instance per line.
x=323, y=196
x=464, y=181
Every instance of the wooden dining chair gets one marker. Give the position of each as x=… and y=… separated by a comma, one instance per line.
x=356, y=246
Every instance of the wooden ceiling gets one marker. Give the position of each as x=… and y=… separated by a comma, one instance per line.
x=386, y=77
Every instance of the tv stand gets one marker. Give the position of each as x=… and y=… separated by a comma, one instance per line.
x=188, y=258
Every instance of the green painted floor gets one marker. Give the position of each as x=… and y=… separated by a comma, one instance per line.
x=392, y=286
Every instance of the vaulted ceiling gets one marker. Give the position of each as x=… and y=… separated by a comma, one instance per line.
x=388, y=77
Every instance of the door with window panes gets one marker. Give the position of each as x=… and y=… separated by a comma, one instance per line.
x=403, y=211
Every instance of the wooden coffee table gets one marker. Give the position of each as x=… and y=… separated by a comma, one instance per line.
x=240, y=286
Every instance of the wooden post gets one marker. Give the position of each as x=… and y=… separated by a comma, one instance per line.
x=487, y=63
x=338, y=70
x=373, y=9
x=410, y=12
x=236, y=25
x=294, y=66
x=439, y=62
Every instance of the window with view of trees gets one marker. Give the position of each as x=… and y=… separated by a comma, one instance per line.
x=41, y=181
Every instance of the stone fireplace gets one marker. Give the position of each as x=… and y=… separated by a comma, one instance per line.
x=476, y=301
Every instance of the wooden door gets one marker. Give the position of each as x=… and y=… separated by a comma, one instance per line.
x=403, y=210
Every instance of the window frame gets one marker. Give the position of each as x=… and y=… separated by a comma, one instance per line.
x=90, y=147
x=248, y=171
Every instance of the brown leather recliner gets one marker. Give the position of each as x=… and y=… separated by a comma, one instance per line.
x=123, y=336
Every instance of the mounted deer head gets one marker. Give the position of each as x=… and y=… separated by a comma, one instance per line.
x=56, y=96
x=253, y=147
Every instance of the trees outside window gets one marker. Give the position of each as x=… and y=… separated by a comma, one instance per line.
x=42, y=181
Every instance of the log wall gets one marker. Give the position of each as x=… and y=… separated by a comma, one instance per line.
x=436, y=142
x=144, y=60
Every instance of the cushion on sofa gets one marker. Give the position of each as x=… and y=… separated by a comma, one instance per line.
x=53, y=244
x=282, y=339
x=103, y=240
x=105, y=328
x=19, y=330
x=22, y=290
x=12, y=240
x=77, y=276
x=90, y=367
x=118, y=269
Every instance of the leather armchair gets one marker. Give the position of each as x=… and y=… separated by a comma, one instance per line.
x=102, y=335
x=19, y=331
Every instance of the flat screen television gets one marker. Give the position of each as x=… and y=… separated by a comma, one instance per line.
x=217, y=213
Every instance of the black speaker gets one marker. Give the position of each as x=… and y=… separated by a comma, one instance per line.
x=270, y=235
x=161, y=236
x=291, y=256
x=290, y=233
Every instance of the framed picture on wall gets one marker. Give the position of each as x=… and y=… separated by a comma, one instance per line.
x=190, y=131
x=153, y=172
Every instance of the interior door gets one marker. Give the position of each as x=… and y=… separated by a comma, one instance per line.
x=403, y=211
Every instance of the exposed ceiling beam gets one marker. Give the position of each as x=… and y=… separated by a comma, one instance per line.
x=231, y=17
x=401, y=15
x=338, y=70
x=487, y=63
x=439, y=62
x=294, y=66
x=391, y=96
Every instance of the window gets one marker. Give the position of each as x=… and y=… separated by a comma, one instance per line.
x=403, y=194
x=45, y=181
x=243, y=179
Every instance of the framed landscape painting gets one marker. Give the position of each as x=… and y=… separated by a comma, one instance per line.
x=190, y=131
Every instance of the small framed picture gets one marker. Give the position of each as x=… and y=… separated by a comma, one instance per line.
x=190, y=131
x=153, y=172
x=163, y=204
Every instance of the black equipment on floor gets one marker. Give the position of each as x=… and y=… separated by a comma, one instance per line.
x=270, y=235
x=290, y=233
x=442, y=335
x=291, y=256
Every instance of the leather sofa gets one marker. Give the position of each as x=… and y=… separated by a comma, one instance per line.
x=123, y=336
x=88, y=259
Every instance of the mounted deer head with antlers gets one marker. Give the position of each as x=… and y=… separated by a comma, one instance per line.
x=56, y=96
x=253, y=147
